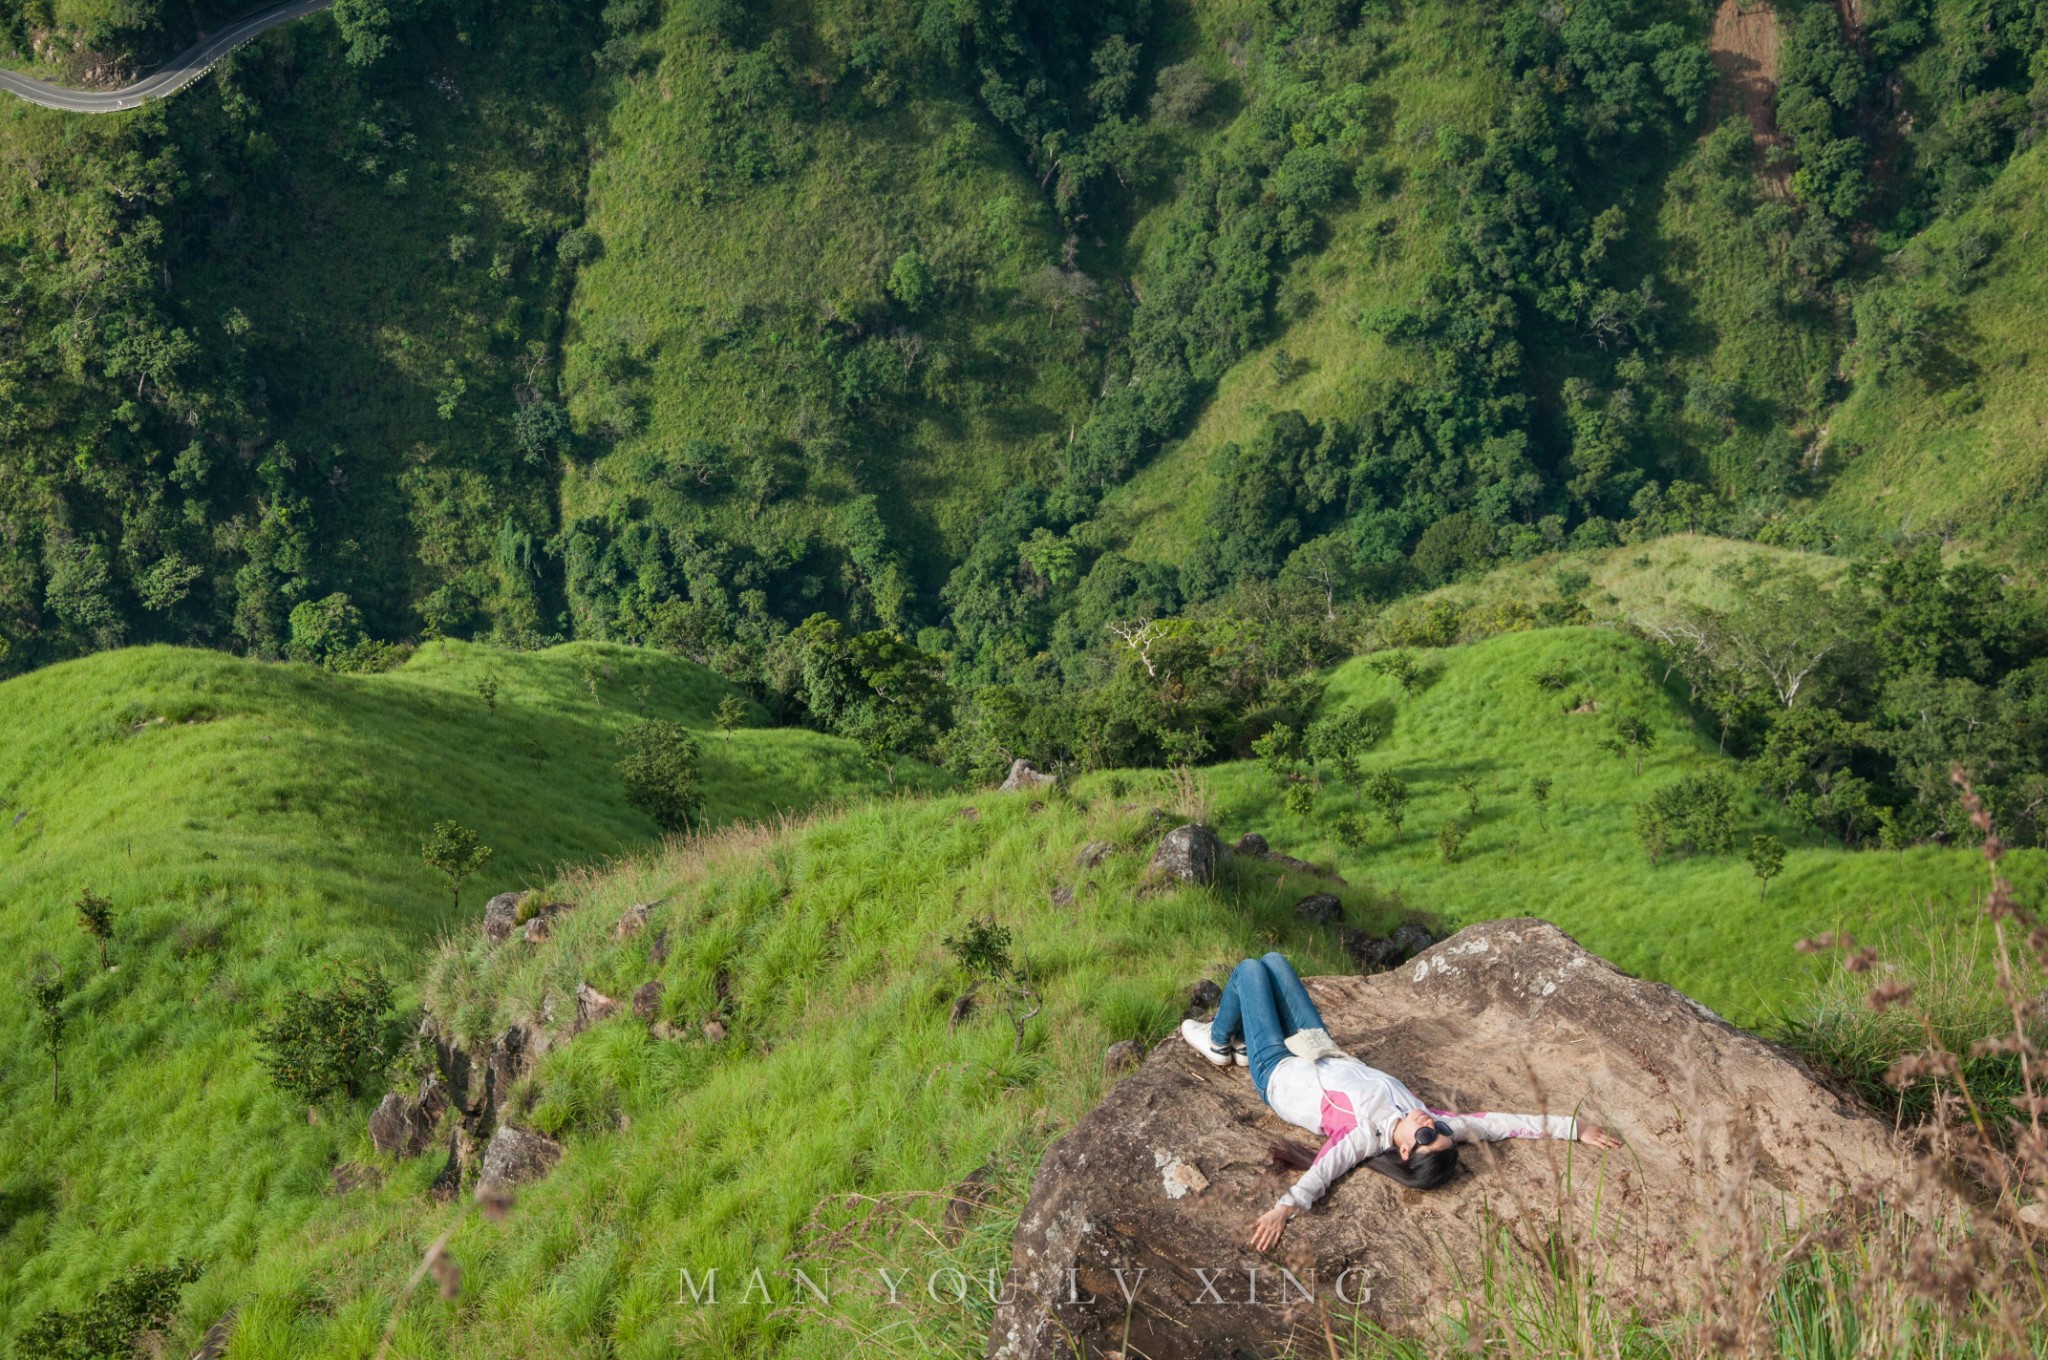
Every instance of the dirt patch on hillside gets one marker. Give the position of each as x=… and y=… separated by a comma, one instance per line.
x=1744, y=45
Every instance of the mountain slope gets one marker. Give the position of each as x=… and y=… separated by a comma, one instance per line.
x=844, y=1101
x=257, y=828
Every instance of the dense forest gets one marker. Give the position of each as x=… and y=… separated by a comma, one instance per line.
x=824, y=348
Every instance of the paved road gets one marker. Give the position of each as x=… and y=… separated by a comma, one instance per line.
x=174, y=76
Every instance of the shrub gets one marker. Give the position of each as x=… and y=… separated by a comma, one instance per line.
x=1181, y=93
x=661, y=774
x=1450, y=842
x=330, y=1041
x=96, y=918
x=457, y=851
x=108, y=1327
x=1694, y=815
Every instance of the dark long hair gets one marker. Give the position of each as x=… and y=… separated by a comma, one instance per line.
x=1425, y=1170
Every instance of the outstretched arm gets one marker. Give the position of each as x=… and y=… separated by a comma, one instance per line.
x=1324, y=1172
x=1491, y=1126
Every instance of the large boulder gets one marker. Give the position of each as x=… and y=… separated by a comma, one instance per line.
x=1166, y=1175
x=1187, y=854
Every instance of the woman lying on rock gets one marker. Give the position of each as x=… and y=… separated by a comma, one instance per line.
x=1266, y=1022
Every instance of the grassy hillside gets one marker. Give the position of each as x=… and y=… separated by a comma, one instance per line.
x=822, y=947
x=1697, y=922
x=1956, y=446
x=258, y=828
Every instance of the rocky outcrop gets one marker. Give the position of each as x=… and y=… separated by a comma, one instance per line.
x=1025, y=775
x=1376, y=954
x=501, y=916
x=514, y=1157
x=1165, y=1176
x=1187, y=854
x=403, y=1123
x=647, y=1001
x=1251, y=845
x=592, y=1007
x=633, y=921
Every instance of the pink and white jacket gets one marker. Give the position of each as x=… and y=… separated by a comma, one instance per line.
x=1355, y=1108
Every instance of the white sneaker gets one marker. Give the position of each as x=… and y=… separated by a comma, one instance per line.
x=1198, y=1035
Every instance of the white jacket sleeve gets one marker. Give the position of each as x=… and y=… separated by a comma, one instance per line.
x=1490, y=1126
x=1348, y=1151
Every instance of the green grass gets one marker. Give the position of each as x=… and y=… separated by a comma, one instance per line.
x=1647, y=580
x=256, y=827
x=841, y=1090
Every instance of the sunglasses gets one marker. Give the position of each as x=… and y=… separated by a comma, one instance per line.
x=1435, y=1129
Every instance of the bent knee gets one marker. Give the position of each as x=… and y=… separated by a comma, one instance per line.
x=1276, y=957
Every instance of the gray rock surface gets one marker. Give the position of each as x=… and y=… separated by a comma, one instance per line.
x=403, y=1123
x=515, y=1157
x=1025, y=775
x=1320, y=909
x=1187, y=854
x=1168, y=1172
x=501, y=916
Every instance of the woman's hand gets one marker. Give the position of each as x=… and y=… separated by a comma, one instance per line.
x=1595, y=1136
x=1266, y=1231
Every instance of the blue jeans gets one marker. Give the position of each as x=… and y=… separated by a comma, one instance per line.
x=1263, y=1004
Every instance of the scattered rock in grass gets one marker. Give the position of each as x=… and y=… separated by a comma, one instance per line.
x=1320, y=909
x=1024, y=775
x=447, y=1183
x=1376, y=955
x=963, y=1006
x=515, y=1156
x=538, y=930
x=501, y=916
x=1093, y=853
x=647, y=1000
x=634, y=921
x=403, y=1123
x=1122, y=1056
x=714, y=1030
x=513, y=1055
x=1037, y=806
x=1062, y=895
x=1302, y=866
x=1251, y=844
x=969, y=1198
x=592, y=1007
x=657, y=952
x=1204, y=996
x=349, y=1177
x=970, y=814
x=1188, y=854
x=214, y=1344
